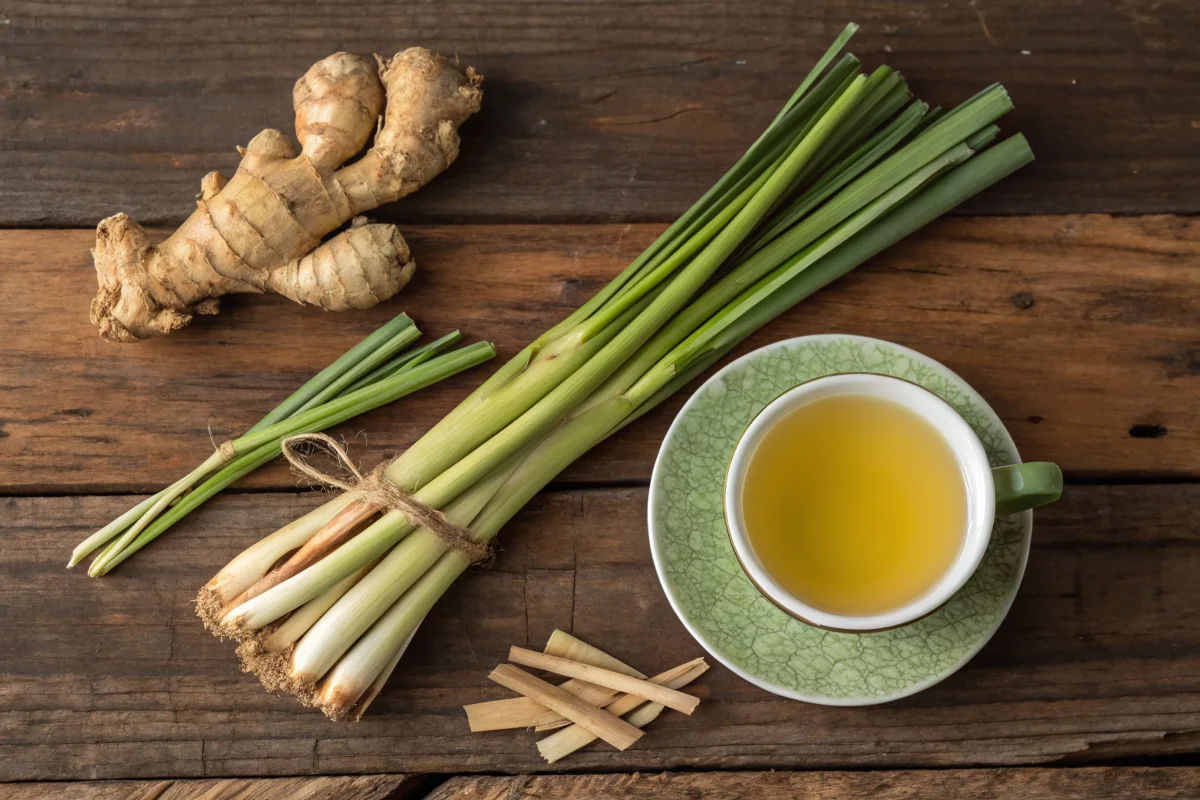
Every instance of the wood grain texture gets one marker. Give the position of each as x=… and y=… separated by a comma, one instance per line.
x=1099, y=657
x=1081, y=331
x=612, y=111
x=1098, y=783
x=360, y=787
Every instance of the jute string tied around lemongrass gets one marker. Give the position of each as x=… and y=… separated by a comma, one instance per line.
x=376, y=489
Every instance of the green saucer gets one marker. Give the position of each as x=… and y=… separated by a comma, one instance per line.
x=741, y=628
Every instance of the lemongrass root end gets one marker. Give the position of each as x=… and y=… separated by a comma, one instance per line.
x=273, y=670
x=211, y=612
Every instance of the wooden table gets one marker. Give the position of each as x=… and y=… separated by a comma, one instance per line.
x=1069, y=295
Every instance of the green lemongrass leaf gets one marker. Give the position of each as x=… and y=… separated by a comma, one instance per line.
x=413, y=357
x=334, y=371
x=941, y=195
x=882, y=143
x=713, y=209
x=216, y=482
x=959, y=125
x=752, y=269
x=380, y=356
x=354, y=403
x=983, y=138
x=936, y=114
x=709, y=335
x=824, y=61
x=731, y=185
x=882, y=89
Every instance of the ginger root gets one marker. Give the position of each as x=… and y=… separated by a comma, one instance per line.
x=262, y=230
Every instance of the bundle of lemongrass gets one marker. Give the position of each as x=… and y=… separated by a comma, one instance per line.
x=376, y=371
x=849, y=166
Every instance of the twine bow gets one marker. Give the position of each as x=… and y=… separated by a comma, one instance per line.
x=376, y=489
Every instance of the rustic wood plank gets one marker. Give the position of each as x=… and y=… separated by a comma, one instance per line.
x=357, y=787
x=615, y=111
x=1081, y=331
x=1097, y=783
x=1100, y=655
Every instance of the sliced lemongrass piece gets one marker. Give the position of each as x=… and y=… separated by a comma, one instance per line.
x=568, y=740
x=614, y=730
x=681, y=702
x=521, y=712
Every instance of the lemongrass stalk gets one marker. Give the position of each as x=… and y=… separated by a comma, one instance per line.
x=369, y=397
x=741, y=174
x=163, y=499
x=824, y=61
x=110, y=530
x=882, y=143
x=883, y=94
x=751, y=270
x=368, y=697
x=242, y=466
x=256, y=560
x=983, y=137
x=371, y=656
x=304, y=617
x=940, y=196
x=215, y=483
x=400, y=569
x=967, y=119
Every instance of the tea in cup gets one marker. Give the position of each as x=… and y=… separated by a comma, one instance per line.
x=861, y=502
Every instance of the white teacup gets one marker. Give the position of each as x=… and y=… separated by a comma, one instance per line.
x=990, y=492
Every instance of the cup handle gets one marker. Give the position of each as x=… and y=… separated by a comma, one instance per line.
x=1029, y=485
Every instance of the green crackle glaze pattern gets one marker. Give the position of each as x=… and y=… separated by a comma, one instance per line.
x=716, y=600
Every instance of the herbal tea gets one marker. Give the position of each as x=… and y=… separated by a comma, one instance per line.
x=854, y=504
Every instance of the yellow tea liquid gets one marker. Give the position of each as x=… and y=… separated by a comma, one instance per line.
x=854, y=504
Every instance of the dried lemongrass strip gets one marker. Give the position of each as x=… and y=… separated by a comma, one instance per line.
x=568, y=740
x=671, y=698
x=614, y=730
x=521, y=712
